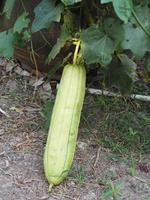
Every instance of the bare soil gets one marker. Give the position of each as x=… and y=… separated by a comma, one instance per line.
x=22, y=141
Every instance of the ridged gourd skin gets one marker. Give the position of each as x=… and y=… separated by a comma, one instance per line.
x=63, y=131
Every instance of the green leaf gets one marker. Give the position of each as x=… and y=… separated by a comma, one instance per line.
x=45, y=13
x=21, y=22
x=70, y=2
x=7, y=43
x=46, y=113
x=130, y=66
x=121, y=73
x=64, y=36
x=21, y=39
x=107, y=194
x=106, y=1
x=69, y=21
x=123, y=9
x=26, y=35
x=96, y=46
x=113, y=28
x=8, y=7
x=135, y=38
x=113, y=190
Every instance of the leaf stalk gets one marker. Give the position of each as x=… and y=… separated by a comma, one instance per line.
x=76, y=52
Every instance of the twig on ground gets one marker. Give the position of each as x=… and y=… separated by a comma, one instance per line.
x=97, y=156
x=143, y=181
x=111, y=94
x=4, y=113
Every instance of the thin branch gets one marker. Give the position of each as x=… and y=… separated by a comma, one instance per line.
x=4, y=113
x=112, y=94
x=97, y=157
x=36, y=67
x=140, y=179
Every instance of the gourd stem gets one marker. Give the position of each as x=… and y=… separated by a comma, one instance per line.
x=50, y=187
x=76, y=52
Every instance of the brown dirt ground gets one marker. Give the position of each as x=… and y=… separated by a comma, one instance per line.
x=22, y=142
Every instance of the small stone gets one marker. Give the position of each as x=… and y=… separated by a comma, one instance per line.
x=38, y=82
x=11, y=85
x=18, y=70
x=72, y=183
x=25, y=73
x=10, y=66
x=32, y=81
x=2, y=131
x=90, y=196
x=47, y=87
x=82, y=145
x=3, y=62
x=45, y=197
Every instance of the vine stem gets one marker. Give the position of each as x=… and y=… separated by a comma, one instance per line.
x=34, y=59
x=50, y=187
x=76, y=52
x=140, y=24
x=36, y=67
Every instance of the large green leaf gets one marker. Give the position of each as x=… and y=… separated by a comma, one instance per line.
x=64, y=36
x=8, y=7
x=22, y=22
x=113, y=28
x=70, y=2
x=121, y=73
x=96, y=46
x=7, y=43
x=123, y=9
x=45, y=13
x=135, y=38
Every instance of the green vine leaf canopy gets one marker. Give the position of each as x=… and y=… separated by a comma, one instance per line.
x=105, y=28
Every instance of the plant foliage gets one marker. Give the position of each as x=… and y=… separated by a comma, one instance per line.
x=106, y=29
